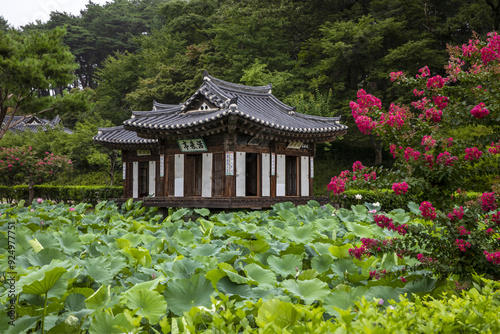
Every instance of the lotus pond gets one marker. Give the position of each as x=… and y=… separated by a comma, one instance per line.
x=128, y=269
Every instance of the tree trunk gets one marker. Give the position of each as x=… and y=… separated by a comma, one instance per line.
x=378, y=150
x=31, y=191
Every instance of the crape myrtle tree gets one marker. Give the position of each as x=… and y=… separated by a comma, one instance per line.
x=448, y=136
x=21, y=165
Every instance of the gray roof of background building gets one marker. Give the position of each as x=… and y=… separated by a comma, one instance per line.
x=34, y=124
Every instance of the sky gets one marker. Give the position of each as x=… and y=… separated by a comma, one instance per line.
x=22, y=12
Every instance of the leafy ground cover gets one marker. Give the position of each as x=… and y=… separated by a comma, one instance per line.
x=305, y=269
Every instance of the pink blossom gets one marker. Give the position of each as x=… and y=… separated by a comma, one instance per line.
x=435, y=82
x=39, y=200
x=357, y=166
x=440, y=101
x=400, y=188
x=336, y=185
x=396, y=75
x=462, y=244
x=424, y=72
x=472, y=153
x=365, y=124
x=463, y=231
x=427, y=210
x=71, y=209
x=457, y=213
x=488, y=201
x=495, y=148
x=471, y=48
x=493, y=257
x=428, y=142
x=488, y=55
x=421, y=104
x=479, y=111
x=434, y=115
x=417, y=92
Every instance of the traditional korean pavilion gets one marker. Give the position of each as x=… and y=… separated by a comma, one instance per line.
x=227, y=146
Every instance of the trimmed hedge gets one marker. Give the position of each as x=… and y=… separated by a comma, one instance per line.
x=77, y=194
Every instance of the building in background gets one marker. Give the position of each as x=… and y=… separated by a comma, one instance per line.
x=227, y=146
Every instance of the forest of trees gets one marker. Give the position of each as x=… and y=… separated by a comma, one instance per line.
x=316, y=54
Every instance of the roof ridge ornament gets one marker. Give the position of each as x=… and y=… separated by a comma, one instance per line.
x=292, y=111
x=233, y=104
x=206, y=77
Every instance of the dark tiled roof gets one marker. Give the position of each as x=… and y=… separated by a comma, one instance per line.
x=253, y=107
x=257, y=104
x=118, y=137
x=33, y=123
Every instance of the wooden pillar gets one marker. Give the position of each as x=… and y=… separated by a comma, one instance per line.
x=206, y=178
x=135, y=179
x=230, y=178
x=179, y=175
x=240, y=173
x=152, y=178
x=280, y=175
x=312, y=153
x=304, y=176
x=266, y=175
x=272, y=171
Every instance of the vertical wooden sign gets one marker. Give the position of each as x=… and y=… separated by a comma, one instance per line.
x=230, y=163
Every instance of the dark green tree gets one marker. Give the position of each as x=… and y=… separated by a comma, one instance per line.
x=31, y=62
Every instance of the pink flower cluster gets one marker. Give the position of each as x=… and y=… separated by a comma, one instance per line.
x=359, y=252
x=357, y=166
x=371, y=176
x=367, y=246
x=435, y=82
x=425, y=260
x=488, y=201
x=411, y=153
x=462, y=244
x=493, y=257
x=386, y=222
x=400, y=188
x=473, y=153
x=395, y=117
x=495, y=218
x=365, y=124
x=361, y=109
x=421, y=104
x=427, y=210
x=336, y=185
x=446, y=159
x=396, y=75
x=491, y=51
x=479, y=111
x=434, y=115
x=424, y=72
x=428, y=142
x=495, y=148
x=456, y=214
x=378, y=274
x=463, y=231
x=469, y=49
x=441, y=101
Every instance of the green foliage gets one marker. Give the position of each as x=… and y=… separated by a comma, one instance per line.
x=29, y=63
x=114, y=269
